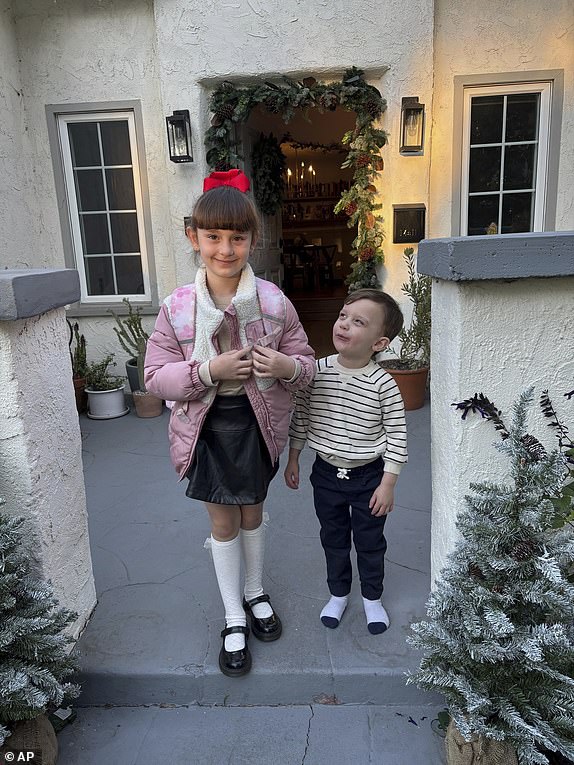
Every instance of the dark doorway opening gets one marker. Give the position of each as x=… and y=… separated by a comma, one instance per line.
x=315, y=242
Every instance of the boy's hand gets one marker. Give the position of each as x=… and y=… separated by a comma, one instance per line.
x=383, y=498
x=291, y=473
x=232, y=365
x=270, y=363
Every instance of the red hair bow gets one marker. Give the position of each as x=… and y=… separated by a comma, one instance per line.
x=235, y=178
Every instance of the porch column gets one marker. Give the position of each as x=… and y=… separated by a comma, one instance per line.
x=502, y=320
x=41, y=473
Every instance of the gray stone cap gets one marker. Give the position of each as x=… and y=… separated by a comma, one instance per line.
x=507, y=256
x=29, y=292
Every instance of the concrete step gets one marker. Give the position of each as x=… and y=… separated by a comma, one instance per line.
x=314, y=734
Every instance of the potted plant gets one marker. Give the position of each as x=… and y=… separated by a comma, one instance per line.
x=79, y=364
x=105, y=391
x=34, y=652
x=498, y=641
x=133, y=339
x=411, y=367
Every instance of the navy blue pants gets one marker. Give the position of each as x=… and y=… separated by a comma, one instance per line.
x=342, y=507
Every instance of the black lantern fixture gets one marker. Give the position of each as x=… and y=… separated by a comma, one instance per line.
x=412, y=126
x=179, y=136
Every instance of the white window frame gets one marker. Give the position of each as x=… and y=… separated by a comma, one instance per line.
x=63, y=119
x=496, y=80
x=543, y=139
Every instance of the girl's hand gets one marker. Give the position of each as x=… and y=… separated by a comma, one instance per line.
x=232, y=365
x=270, y=363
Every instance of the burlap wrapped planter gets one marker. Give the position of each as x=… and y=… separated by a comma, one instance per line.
x=477, y=751
x=33, y=735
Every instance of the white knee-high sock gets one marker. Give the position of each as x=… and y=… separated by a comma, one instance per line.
x=253, y=544
x=227, y=564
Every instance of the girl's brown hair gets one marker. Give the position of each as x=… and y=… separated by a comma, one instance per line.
x=225, y=208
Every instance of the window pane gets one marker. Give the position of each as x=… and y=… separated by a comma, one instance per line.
x=100, y=276
x=484, y=173
x=121, y=195
x=522, y=117
x=486, y=119
x=125, y=236
x=95, y=239
x=90, y=188
x=116, y=142
x=482, y=214
x=84, y=144
x=517, y=213
x=519, y=166
x=129, y=275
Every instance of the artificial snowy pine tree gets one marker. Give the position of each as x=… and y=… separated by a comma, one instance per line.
x=33, y=655
x=499, y=642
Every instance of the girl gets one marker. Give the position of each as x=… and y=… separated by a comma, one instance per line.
x=229, y=350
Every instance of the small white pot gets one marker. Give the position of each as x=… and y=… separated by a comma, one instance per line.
x=106, y=404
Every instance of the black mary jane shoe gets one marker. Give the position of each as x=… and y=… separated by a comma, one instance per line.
x=263, y=629
x=235, y=663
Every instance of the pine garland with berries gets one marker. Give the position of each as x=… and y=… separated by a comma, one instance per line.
x=232, y=105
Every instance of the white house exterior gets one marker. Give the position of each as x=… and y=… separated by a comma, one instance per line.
x=68, y=61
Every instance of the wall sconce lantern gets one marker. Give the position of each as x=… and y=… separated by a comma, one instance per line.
x=179, y=136
x=412, y=126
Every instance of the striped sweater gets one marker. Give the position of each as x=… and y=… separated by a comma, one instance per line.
x=351, y=416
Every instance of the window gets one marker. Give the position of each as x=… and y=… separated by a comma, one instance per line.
x=505, y=154
x=103, y=191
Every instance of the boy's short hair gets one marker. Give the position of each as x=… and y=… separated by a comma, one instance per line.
x=225, y=208
x=391, y=313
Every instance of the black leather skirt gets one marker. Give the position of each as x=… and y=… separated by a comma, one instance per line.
x=231, y=464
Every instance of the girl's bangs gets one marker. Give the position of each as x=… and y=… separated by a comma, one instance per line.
x=225, y=208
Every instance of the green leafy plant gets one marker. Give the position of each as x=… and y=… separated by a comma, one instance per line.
x=415, y=339
x=268, y=163
x=78, y=352
x=99, y=378
x=232, y=105
x=498, y=642
x=133, y=338
x=34, y=654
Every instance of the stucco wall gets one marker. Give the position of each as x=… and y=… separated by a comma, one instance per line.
x=41, y=473
x=490, y=37
x=15, y=210
x=498, y=337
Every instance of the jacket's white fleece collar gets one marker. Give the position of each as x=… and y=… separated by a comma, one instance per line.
x=208, y=317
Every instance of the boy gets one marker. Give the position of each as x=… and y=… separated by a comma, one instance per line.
x=353, y=416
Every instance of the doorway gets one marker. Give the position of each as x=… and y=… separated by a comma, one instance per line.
x=315, y=243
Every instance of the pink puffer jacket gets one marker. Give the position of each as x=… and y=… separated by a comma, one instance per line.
x=172, y=374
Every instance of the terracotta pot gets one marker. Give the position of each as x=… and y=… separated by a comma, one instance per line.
x=412, y=385
x=146, y=404
x=35, y=735
x=81, y=395
x=477, y=751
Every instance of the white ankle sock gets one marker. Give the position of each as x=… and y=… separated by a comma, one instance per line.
x=377, y=618
x=253, y=544
x=227, y=563
x=333, y=611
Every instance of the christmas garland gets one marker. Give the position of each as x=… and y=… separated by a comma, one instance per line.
x=232, y=105
x=268, y=165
